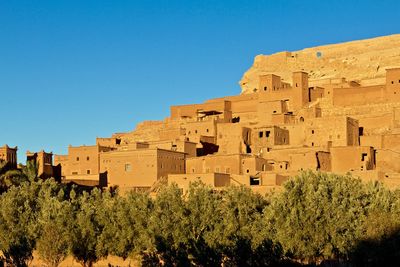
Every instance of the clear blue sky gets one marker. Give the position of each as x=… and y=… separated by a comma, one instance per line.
x=73, y=70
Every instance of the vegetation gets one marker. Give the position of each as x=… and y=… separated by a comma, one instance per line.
x=316, y=219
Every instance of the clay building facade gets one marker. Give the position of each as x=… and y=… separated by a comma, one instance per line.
x=9, y=155
x=259, y=139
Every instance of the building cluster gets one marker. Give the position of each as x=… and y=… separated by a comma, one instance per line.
x=258, y=139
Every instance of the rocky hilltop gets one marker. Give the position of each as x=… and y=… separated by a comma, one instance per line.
x=363, y=61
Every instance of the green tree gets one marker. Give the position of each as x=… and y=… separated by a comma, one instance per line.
x=125, y=232
x=167, y=230
x=238, y=234
x=87, y=228
x=318, y=216
x=55, y=218
x=18, y=228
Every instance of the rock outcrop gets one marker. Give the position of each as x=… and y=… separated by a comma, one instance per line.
x=364, y=60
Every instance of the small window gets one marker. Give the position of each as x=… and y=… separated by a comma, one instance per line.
x=296, y=85
x=195, y=131
x=74, y=173
x=128, y=167
x=207, y=130
x=392, y=82
x=254, y=181
x=267, y=133
x=363, y=156
x=260, y=134
x=312, y=131
x=312, y=144
x=265, y=88
x=87, y=158
x=247, y=170
x=87, y=171
x=77, y=158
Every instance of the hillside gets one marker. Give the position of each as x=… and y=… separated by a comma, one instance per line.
x=364, y=60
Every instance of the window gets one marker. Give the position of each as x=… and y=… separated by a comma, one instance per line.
x=260, y=134
x=312, y=131
x=296, y=85
x=207, y=130
x=87, y=158
x=265, y=88
x=267, y=133
x=74, y=173
x=360, y=131
x=247, y=171
x=128, y=167
x=77, y=158
x=195, y=131
x=312, y=144
x=363, y=156
x=87, y=171
x=254, y=181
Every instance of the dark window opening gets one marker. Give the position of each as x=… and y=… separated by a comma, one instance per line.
x=312, y=144
x=118, y=141
x=248, y=149
x=265, y=88
x=254, y=181
x=360, y=131
x=87, y=158
x=267, y=133
x=247, y=171
x=312, y=131
x=236, y=120
x=274, y=111
x=296, y=85
x=260, y=134
x=392, y=82
x=77, y=158
x=87, y=171
x=301, y=119
x=363, y=156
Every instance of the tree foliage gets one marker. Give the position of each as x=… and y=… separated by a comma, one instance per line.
x=315, y=218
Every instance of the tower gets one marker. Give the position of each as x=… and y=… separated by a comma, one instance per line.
x=393, y=84
x=300, y=94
